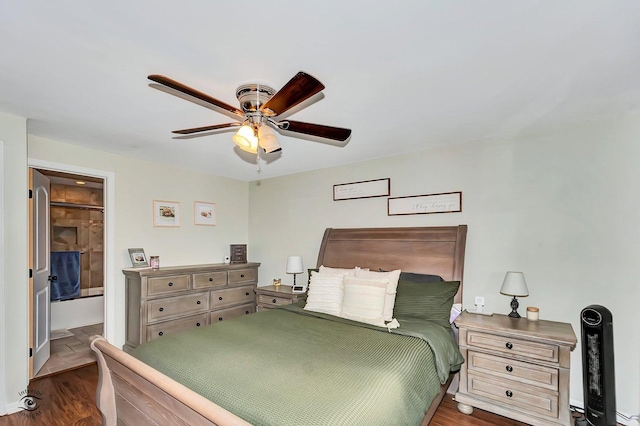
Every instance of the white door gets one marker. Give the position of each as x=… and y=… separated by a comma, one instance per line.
x=41, y=301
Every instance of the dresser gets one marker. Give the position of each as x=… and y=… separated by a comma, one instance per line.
x=515, y=367
x=163, y=301
x=273, y=296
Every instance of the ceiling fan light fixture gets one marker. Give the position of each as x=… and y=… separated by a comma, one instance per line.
x=268, y=140
x=246, y=139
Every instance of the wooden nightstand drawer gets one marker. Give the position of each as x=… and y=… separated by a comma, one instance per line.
x=537, y=375
x=513, y=394
x=513, y=347
x=227, y=314
x=231, y=296
x=167, y=285
x=274, y=300
x=243, y=276
x=210, y=279
x=156, y=331
x=180, y=305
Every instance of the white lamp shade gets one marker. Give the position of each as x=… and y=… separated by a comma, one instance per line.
x=294, y=265
x=246, y=139
x=514, y=284
x=267, y=139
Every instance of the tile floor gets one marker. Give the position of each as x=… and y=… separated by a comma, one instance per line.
x=71, y=352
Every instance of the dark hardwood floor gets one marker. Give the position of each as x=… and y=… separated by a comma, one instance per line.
x=69, y=399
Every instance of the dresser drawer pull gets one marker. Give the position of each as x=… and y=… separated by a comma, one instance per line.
x=509, y=393
x=509, y=368
x=246, y=312
x=160, y=334
x=247, y=293
x=273, y=301
x=219, y=318
x=198, y=302
x=170, y=284
x=197, y=324
x=161, y=309
x=210, y=279
x=241, y=275
x=220, y=298
x=509, y=345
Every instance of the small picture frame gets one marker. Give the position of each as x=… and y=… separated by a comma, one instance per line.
x=204, y=213
x=138, y=258
x=166, y=213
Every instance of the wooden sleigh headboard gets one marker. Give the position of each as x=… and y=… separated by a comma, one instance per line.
x=428, y=250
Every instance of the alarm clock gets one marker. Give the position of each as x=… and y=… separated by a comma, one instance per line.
x=298, y=289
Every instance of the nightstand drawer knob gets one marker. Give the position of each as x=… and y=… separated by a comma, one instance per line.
x=246, y=312
x=220, y=298
x=197, y=324
x=241, y=275
x=509, y=345
x=247, y=293
x=509, y=368
x=198, y=302
x=161, y=309
x=160, y=334
x=509, y=393
x=219, y=318
x=210, y=279
x=273, y=301
x=170, y=284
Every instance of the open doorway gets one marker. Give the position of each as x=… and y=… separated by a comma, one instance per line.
x=74, y=250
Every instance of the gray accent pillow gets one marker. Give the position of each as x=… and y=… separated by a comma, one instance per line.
x=429, y=301
x=420, y=278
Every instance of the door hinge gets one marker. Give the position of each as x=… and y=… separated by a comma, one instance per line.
x=30, y=193
x=30, y=273
x=30, y=352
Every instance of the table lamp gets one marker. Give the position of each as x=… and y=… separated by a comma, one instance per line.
x=294, y=266
x=514, y=285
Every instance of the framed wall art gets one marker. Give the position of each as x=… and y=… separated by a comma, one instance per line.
x=138, y=258
x=446, y=202
x=204, y=213
x=166, y=213
x=364, y=189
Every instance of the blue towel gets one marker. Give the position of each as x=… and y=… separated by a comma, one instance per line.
x=65, y=265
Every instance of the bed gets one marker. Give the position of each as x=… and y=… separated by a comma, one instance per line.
x=279, y=386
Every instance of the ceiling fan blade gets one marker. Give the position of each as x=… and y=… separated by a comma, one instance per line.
x=301, y=87
x=327, y=132
x=166, y=81
x=206, y=128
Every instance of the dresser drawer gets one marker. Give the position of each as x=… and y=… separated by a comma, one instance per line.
x=513, y=347
x=179, y=305
x=228, y=313
x=156, y=331
x=231, y=296
x=243, y=276
x=513, y=394
x=532, y=374
x=210, y=279
x=265, y=299
x=167, y=285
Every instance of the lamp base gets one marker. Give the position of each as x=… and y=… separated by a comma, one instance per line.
x=514, y=308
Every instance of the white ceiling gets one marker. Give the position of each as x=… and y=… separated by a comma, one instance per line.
x=405, y=76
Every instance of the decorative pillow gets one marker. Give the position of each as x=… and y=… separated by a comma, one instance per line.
x=420, y=278
x=429, y=301
x=327, y=270
x=393, y=277
x=325, y=293
x=364, y=300
x=309, y=271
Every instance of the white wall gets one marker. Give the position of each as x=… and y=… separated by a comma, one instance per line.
x=14, y=280
x=561, y=207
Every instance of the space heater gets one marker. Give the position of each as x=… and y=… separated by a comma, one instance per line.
x=598, y=370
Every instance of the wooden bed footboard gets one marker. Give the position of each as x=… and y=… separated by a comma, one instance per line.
x=132, y=393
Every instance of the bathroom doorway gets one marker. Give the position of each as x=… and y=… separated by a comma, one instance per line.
x=76, y=227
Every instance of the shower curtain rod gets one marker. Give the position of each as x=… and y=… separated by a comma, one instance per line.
x=76, y=206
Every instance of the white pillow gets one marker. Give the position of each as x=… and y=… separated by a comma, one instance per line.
x=327, y=270
x=325, y=293
x=393, y=277
x=364, y=300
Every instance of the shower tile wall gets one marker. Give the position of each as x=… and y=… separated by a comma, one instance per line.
x=79, y=229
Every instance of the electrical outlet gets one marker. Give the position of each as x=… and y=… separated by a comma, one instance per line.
x=479, y=301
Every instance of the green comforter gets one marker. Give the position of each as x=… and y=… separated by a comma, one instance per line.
x=288, y=366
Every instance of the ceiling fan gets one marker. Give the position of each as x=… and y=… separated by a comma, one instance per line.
x=260, y=107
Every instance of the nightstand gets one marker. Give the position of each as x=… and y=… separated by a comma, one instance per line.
x=515, y=368
x=271, y=297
